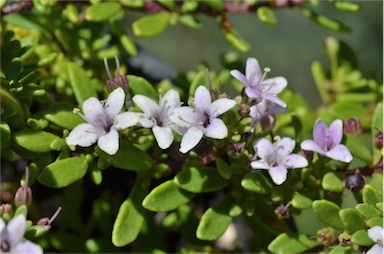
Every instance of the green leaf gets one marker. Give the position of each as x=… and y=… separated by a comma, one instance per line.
x=223, y=168
x=367, y=211
x=102, y=11
x=125, y=40
x=132, y=3
x=215, y=4
x=257, y=182
x=128, y=157
x=10, y=106
x=166, y=197
x=190, y=21
x=377, y=124
x=328, y=213
x=5, y=132
x=377, y=221
x=215, y=220
x=370, y=195
x=266, y=15
x=138, y=85
x=323, y=21
x=291, y=243
x=64, y=172
x=320, y=78
x=346, y=6
x=236, y=41
x=170, y=4
x=352, y=220
x=361, y=238
x=130, y=217
x=80, y=82
x=200, y=179
x=151, y=25
x=340, y=250
x=35, y=141
x=301, y=201
x=358, y=149
x=333, y=181
x=62, y=115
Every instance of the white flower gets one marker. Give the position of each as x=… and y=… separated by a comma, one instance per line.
x=255, y=85
x=11, y=237
x=277, y=158
x=377, y=235
x=104, y=122
x=156, y=116
x=202, y=119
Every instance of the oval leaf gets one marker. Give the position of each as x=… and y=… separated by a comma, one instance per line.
x=370, y=195
x=291, y=243
x=328, y=213
x=361, y=238
x=333, y=181
x=102, y=11
x=151, y=25
x=200, y=179
x=35, y=141
x=257, y=182
x=301, y=201
x=166, y=197
x=367, y=211
x=358, y=149
x=352, y=220
x=62, y=115
x=138, y=85
x=64, y=172
x=266, y=15
x=80, y=82
x=223, y=168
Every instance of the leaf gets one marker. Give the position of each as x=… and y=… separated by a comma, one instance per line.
x=257, y=182
x=223, y=168
x=320, y=78
x=333, y=181
x=125, y=40
x=291, y=243
x=35, y=141
x=323, y=21
x=346, y=6
x=200, y=179
x=215, y=220
x=377, y=221
x=328, y=213
x=130, y=217
x=215, y=4
x=64, y=172
x=340, y=250
x=370, y=195
x=10, y=106
x=80, y=82
x=62, y=115
x=358, y=149
x=352, y=220
x=102, y=11
x=301, y=201
x=151, y=25
x=361, y=238
x=166, y=197
x=128, y=157
x=190, y=21
x=367, y=211
x=266, y=15
x=235, y=40
x=138, y=85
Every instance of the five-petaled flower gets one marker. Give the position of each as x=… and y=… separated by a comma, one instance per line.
x=326, y=141
x=256, y=87
x=277, y=158
x=103, y=123
x=156, y=116
x=377, y=235
x=11, y=237
x=202, y=119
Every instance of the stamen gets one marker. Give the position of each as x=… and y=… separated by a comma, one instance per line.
x=26, y=177
x=117, y=65
x=209, y=79
x=55, y=215
x=107, y=69
x=266, y=70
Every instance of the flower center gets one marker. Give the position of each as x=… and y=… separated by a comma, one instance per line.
x=206, y=120
x=5, y=246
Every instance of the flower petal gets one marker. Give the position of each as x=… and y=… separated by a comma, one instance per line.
x=25, y=247
x=284, y=147
x=295, y=161
x=216, y=129
x=252, y=71
x=240, y=77
x=202, y=100
x=253, y=93
x=2, y=225
x=273, y=98
x=264, y=149
x=278, y=174
x=184, y=116
x=125, y=120
x=163, y=135
x=84, y=135
x=340, y=153
x=335, y=132
x=375, y=249
x=311, y=145
x=109, y=143
x=16, y=229
x=274, y=85
x=221, y=106
x=171, y=98
x=114, y=103
x=376, y=234
x=94, y=112
x=320, y=134
x=190, y=139
x=147, y=105
x=260, y=164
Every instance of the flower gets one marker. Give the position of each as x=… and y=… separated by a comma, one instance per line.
x=255, y=85
x=326, y=141
x=264, y=108
x=11, y=237
x=377, y=235
x=277, y=158
x=202, y=119
x=104, y=121
x=156, y=116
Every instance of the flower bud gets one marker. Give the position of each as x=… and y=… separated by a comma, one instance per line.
x=23, y=195
x=379, y=140
x=268, y=122
x=325, y=236
x=344, y=239
x=354, y=182
x=119, y=80
x=307, y=154
x=46, y=222
x=6, y=209
x=352, y=126
x=282, y=211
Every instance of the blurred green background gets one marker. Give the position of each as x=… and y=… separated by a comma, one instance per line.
x=288, y=48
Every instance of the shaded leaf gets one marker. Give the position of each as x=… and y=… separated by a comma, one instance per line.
x=352, y=220
x=257, y=182
x=328, y=213
x=35, y=141
x=291, y=243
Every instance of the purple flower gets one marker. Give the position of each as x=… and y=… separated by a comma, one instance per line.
x=377, y=235
x=11, y=237
x=277, y=158
x=104, y=122
x=255, y=85
x=326, y=141
x=264, y=108
x=202, y=119
x=156, y=116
